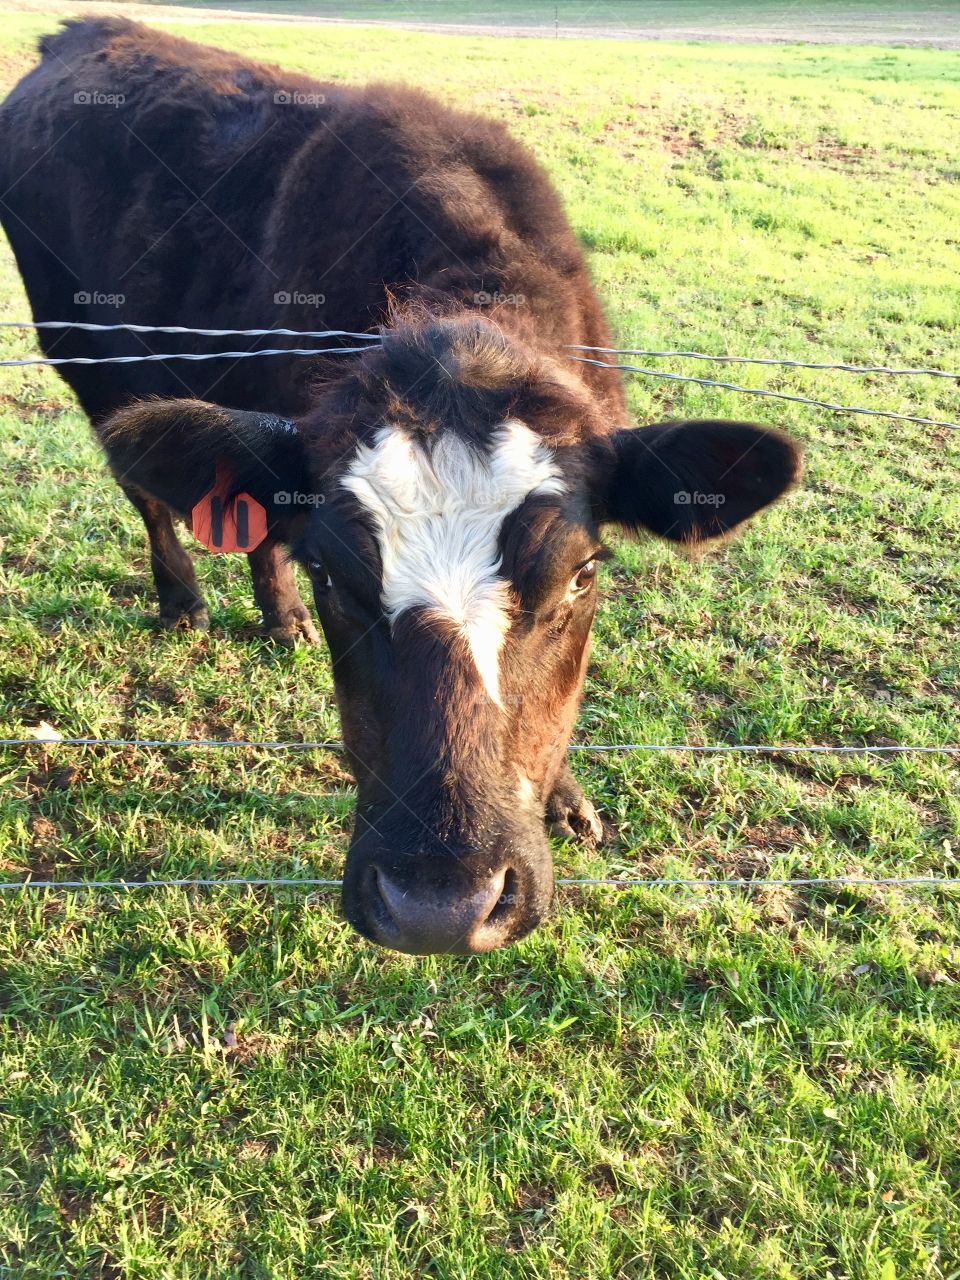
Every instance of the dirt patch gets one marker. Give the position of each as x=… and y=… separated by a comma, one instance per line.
x=532, y=1206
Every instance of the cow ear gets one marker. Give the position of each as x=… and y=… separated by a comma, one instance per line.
x=689, y=481
x=172, y=449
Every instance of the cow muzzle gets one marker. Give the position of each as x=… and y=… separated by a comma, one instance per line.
x=453, y=906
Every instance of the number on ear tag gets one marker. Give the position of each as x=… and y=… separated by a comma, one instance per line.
x=225, y=521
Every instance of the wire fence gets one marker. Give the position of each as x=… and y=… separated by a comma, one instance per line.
x=776, y=361
x=365, y=341
x=267, y=882
x=773, y=395
x=762, y=748
x=779, y=361
x=91, y=327
x=738, y=882
x=374, y=339
x=188, y=355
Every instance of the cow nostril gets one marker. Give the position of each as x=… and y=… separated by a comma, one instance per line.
x=505, y=907
x=377, y=903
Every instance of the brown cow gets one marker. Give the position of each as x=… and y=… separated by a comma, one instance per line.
x=446, y=490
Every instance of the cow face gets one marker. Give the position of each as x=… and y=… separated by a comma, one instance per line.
x=455, y=582
x=457, y=487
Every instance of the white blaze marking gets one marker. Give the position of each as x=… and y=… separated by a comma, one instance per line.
x=438, y=510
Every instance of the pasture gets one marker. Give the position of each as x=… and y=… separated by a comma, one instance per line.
x=659, y=1082
x=862, y=21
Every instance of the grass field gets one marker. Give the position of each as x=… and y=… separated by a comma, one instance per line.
x=659, y=1083
x=870, y=20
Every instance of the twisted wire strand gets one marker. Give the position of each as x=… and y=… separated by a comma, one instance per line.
x=188, y=355
x=737, y=882
x=89, y=326
x=714, y=747
x=373, y=339
x=776, y=361
x=773, y=395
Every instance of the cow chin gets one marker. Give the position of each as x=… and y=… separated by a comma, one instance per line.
x=447, y=898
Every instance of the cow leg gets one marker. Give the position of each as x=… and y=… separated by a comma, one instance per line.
x=181, y=604
x=286, y=618
x=569, y=814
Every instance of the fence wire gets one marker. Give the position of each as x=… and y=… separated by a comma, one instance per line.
x=187, y=355
x=741, y=882
x=373, y=339
x=777, y=361
x=773, y=395
x=747, y=748
x=89, y=326
x=368, y=339
x=662, y=882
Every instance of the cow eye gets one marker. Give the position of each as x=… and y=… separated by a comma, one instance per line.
x=584, y=576
x=321, y=579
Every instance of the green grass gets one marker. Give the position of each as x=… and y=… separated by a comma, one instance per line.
x=659, y=1083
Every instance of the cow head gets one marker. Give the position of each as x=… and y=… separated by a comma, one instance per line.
x=458, y=486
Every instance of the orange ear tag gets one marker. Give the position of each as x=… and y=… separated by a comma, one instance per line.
x=225, y=521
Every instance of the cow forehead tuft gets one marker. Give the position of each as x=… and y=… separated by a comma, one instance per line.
x=465, y=351
x=437, y=506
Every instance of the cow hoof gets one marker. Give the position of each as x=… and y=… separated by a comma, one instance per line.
x=190, y=618
x=297, y=630
x=571, y=816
